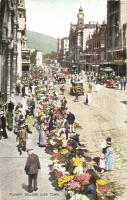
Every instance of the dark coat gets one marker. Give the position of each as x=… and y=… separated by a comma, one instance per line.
x=70, y=118
x=32, y=164
x=3, y=121
x=10, y=106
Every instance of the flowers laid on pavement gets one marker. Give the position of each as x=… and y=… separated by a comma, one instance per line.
x=64, y=179
x=72, y=185
x=79, y=197
x=83, y=179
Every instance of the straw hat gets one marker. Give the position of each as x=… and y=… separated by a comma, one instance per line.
x=1, y=112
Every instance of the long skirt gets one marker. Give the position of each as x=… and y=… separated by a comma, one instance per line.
x=42, y=137
x=89, y=98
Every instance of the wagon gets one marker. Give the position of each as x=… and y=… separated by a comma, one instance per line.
x=77, y=86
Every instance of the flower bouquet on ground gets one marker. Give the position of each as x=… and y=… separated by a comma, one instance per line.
x=55, y=174
x=103, y=188
x=64, y=151
x=56, y=155
x=79, y=197
x=83, y=179
x=72, y=185
x=77, y=125
x=64, y=179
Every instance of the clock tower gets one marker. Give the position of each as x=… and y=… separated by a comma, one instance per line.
x=80, y=28
x=80, y=17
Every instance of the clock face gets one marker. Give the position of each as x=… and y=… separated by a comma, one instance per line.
x=80, y=16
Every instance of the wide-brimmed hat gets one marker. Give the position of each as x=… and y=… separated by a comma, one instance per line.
x=108, y=139
x=1, y=112
x=109, y=143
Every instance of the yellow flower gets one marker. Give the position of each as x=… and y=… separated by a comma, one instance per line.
x=77, y=162
x=64, y=179
x=64, y=151
x=101, y=182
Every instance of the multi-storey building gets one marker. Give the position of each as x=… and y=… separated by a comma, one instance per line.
x=8, y=48
x=62, y=50
x=23, y=57
x=95, y=52
x=39, y=58
x=116, y=18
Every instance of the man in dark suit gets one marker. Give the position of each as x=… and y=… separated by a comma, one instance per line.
x=31, y=168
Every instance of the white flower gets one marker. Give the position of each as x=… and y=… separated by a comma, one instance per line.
x=79, y=197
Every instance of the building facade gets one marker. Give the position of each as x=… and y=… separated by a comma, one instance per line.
x=23, y=57
x=116, y=18
x=8, y=48
x=39, y=59
x=95, y=52
x=62, y=51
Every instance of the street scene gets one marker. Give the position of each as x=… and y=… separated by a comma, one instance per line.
x=63, y=100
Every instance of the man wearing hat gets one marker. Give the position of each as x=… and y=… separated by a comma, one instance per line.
x=3, y=125
x=31, y=168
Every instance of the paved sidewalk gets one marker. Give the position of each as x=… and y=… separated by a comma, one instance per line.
x=13, y=180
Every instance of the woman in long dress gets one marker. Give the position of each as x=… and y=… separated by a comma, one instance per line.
x=109, y=158
x=42, y=136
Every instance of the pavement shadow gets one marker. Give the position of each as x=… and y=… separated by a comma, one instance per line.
x=124, y=102
x=25, y=187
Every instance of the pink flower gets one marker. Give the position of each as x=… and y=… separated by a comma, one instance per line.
x=72, y=185
x=83, y=179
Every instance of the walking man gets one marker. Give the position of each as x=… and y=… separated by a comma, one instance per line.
x=76, y=95
x=31, y=168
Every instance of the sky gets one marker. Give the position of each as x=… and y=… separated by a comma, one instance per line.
x=53, y=17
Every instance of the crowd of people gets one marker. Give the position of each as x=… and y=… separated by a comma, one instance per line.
x=39, y=108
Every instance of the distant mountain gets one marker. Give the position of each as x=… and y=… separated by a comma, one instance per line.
x=41, y=42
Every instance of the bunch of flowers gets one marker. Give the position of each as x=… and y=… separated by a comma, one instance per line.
x=101, y=182
x=56, y=174
x=79, y=197
x=64, y=151
x=59, y=167
x=72, y=185
x=103, y=189
x=64, y=179
x=56, y=155
x=83, y=179
x=77, y=125
x=78, y=170
x=58, y=143
x=77, y=162
x=69, y=147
